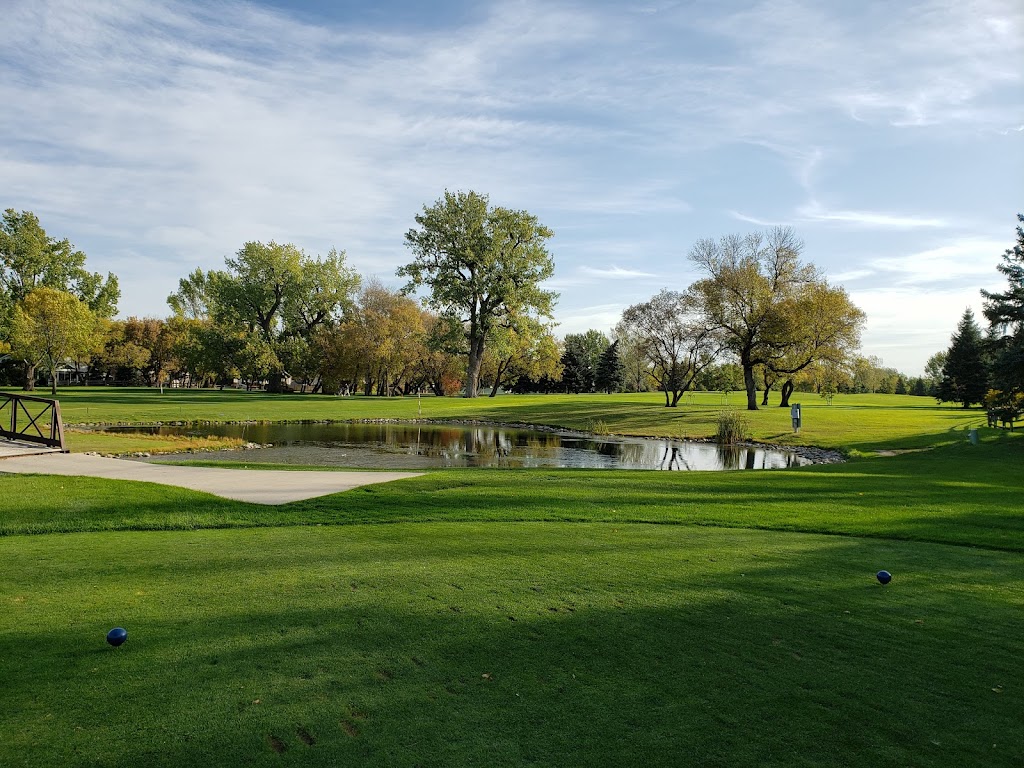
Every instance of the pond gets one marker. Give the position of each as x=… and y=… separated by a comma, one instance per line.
x=423, y=446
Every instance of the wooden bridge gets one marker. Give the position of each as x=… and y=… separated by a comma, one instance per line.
x=32, y=419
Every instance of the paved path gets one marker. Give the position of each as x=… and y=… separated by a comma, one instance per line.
x=258, y=486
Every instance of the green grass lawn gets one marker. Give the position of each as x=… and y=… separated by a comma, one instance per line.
x=528, y=617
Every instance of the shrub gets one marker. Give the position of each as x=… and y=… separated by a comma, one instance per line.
x=732, y=427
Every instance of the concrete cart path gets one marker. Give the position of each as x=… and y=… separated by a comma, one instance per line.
x=258, y=486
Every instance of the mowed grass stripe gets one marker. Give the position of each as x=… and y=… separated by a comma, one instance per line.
x=507, y=644
x=961, y=494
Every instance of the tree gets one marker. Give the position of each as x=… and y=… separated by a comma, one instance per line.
x=611, y=373
x=933, y=371
x=823, y=326
x=50, y=326
x=751, y=285
x=1005, y=314
x=31, y=259
x=483, y=267
x=274, y=290
x=678, y=339
x=964, y=376
x=580, y=359
x=636, y=366
x=525, y=348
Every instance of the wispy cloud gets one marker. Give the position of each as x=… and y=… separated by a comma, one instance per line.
x=614, y=272
x=753, y=220
x=815, y=213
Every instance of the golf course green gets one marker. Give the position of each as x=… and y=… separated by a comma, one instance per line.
x=527, y=617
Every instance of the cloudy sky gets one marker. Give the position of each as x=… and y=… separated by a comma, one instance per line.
x=159, y=136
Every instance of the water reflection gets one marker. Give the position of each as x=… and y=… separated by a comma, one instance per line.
x=417, y=446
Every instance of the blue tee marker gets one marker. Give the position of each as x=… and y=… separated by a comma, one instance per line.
x=884, y=577
x=117, y=636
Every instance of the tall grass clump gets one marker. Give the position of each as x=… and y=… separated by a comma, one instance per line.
x=732, y=427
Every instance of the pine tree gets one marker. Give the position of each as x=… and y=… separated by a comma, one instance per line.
x=964, y=376
x=1005, y=314
x=611, y=373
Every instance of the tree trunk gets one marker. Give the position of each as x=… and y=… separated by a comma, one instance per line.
x=751, y=385
x=767, y=387
x=787, y=390
x=476, y=358
x=30, y=378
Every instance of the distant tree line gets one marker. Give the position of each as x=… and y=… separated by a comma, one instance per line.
x=759, y=320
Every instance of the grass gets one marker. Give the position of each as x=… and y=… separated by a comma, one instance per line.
x=529, y=617
x=82, y=441
x=851, y=423
x=506, y=644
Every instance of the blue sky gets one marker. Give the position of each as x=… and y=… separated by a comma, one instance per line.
x=160, y=136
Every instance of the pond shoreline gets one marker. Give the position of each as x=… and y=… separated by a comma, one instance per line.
x=811, y=454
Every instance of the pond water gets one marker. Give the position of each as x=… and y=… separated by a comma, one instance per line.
x=422, y=446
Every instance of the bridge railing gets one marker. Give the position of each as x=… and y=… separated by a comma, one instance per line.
x=32, y=419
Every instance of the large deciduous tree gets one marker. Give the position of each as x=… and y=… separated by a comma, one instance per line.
x=770, y=304
x=823, y=327
x=51, y=326
x=272, y=290
x=678, y=339
x=31, y=259
x=483, y=267
x=964, y=376
x=1005, y=313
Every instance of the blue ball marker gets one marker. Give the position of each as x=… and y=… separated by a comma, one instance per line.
x=884, y=577
x=117, y=636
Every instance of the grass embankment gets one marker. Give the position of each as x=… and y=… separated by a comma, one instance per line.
x=458, y=636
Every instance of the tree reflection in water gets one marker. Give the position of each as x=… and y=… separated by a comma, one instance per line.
x=421, y=446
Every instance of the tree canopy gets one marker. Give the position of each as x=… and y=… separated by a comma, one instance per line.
x=50, y=326
x=964, y=375
x=775, y=310
x=30, y=259
x=267, y=304
x=678, y=341
x=1005, y=313
x=482, y=266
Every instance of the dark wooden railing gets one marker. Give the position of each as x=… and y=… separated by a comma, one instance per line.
x=34, y=419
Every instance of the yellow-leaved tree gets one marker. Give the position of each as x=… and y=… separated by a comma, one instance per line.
x=50, y=327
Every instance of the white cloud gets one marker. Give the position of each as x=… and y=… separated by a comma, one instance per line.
x=759, y=222
x=907, y=325
x=813, y=212
x=615, y=273
x=968, y=258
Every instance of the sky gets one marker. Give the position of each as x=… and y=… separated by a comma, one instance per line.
x=159, y=136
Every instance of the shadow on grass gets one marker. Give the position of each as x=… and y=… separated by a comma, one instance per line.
x=459, y=645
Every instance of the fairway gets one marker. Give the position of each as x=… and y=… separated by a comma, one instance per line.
x=528, y=617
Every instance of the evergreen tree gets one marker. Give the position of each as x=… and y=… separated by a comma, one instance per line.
x=920, y=389
x=1005, y=314
x=611, y=373
x=580, y=360
x=964, y=376
x=901, y=385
